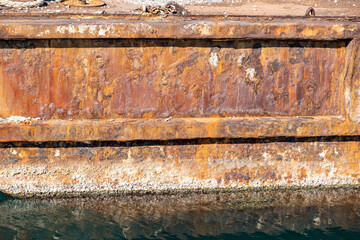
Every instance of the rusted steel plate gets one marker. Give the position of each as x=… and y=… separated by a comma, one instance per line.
x=184, y=27
x=43, y=169
x=79, y=79
x=166, y=89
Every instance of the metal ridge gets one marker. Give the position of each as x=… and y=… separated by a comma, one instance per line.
x=87, y=27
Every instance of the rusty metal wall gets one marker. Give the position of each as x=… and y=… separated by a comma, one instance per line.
x=189, y=103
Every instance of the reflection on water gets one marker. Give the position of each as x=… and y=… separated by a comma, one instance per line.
x=301, y=214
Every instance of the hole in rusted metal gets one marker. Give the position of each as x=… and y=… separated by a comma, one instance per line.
x=310, y=12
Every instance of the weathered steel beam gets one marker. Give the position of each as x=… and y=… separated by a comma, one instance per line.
x=44, y=170
x=186, y=128
x=175, y=27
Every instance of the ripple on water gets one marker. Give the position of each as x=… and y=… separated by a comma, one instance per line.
x=297, y=214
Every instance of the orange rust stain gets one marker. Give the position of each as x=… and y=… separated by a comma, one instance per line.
x=303, y=174
x=84, y=79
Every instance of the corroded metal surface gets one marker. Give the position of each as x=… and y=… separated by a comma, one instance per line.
x=92, y=79
x=184, y=27
x=197, y=94
x=183, y=165
x=170, y=129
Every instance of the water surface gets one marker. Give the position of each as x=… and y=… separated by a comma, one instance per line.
x=300, y=214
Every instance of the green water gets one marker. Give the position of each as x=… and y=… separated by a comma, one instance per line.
x=310, y=214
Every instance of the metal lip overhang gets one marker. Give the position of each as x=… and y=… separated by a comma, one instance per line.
x=67, y=26
x=178, y=128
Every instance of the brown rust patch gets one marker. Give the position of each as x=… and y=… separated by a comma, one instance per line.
x=241, y=175
x=92, y=79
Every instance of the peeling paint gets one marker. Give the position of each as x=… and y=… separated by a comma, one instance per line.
x=323, y=154
x=214, y=58
x=18, y=119
x=250, y=73
x=57, y=153
x=240, y=59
